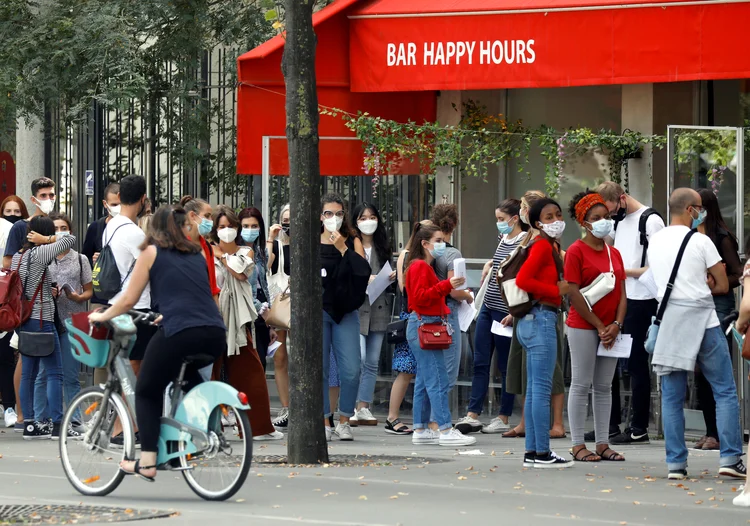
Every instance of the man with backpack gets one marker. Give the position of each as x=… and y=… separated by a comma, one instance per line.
x=92, y=244
x=635, y=224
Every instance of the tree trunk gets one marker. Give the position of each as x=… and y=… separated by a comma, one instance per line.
x=307, y=442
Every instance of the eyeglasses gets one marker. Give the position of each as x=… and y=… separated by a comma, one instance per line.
x=328, y=214
x=698, y=207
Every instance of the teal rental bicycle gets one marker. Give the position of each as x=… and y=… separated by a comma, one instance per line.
x=205, y=433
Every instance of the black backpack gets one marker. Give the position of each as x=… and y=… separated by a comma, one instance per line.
x=105, y=275
x=642, y=230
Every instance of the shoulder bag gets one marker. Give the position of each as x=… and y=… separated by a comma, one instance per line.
x=435, y=336
x=36, y=344
x=280, y=314
x=519, y=301
x=279, y=282
x=602, y=285
x=653, y=330
x=395, y=333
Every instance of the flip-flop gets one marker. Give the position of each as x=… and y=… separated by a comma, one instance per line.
x=513, y=434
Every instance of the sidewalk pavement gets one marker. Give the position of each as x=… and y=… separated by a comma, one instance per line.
x=449, y=488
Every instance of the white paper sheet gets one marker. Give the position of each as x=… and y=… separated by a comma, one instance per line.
x=501, y=330
x=273, y=348
x=621, y=348
x=380, y=283
x=647, y=280
x=466, y=312
x=479, y=300
x=459, y=271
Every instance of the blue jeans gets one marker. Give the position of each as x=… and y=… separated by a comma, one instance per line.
x=716, y=366
x=71, y=382
x=343, y=339
x=452, y=355
x=432, y=383
x=537, y=333
x=370, y=347
x=30, y=370
x=485, y=342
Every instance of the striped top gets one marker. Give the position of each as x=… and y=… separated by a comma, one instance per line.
x=492, y=298
x=35, y=263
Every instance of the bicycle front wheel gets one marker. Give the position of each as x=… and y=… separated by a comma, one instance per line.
x=219, y=472
x=92, y=465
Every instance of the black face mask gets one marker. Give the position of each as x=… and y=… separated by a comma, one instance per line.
x=285, y=228
x=12, y=219
x=620, y=215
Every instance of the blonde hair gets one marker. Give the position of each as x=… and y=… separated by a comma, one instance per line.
x=610, y=191
x=282, y=235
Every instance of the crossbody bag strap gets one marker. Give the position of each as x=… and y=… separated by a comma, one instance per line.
x=609, y=255
x=672, y=278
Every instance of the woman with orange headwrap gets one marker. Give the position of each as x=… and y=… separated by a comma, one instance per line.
x=596, y=316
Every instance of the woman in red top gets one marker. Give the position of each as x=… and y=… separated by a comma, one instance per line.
x=427, y=305
x=588, y=326
x=541, y=277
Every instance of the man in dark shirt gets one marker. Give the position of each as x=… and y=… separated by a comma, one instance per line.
x=43, y=198
x=92, y=245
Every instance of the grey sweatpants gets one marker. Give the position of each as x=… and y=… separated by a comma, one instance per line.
x=589, y=369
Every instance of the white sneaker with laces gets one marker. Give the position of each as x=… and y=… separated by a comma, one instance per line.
x=454, y=438
x=276, y=435
x=427, y=437
x=496, y=426
x=344, y=431
x=468, y=425
x=364, y=417
x=328, y=433
x=10, y=417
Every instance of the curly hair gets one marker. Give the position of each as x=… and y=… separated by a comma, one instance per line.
x=445, y=217
x=574, y=202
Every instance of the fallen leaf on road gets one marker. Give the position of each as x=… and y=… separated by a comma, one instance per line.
x=360, y=478
x=691, y=493
x=363, y=497
x=493, y=454
x=469, y=468
x=521, y=508
x=590, y=480
x=260, y=474
x=636, y=503
x=402, y=493
x=712, y=499
x=393, y=497
x=275, y=506
x=461, y=478
x=709, y=489
x=699, y=502
x=606, y=491
x=517, y=487
x=240, y=500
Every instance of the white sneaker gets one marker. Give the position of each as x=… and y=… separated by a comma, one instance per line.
x=468, y=425
x=743, y=499
x=276, y=435
x=454, y=438
x=428, y=437
x=328, y=433
x=496, y=426
x=363, y=417
x=343, y=431
x=229, y=420
x=10, y=417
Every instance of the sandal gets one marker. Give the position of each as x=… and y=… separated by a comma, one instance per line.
x=614, y=456
x=137, y=471
x=397, y=427
x=514, y=434
x=585, y=458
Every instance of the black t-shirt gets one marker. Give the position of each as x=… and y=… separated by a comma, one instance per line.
x=287, y=257
x=345, y=280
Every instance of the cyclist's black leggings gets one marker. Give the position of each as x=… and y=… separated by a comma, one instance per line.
x=161, y=365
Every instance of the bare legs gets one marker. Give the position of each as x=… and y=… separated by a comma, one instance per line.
x=281, y=369
x=17, y=388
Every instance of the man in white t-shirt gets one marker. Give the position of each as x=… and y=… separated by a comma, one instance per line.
x=690, y=333
x=635, y=224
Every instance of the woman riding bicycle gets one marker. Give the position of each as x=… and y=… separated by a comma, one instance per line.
x=177, y=271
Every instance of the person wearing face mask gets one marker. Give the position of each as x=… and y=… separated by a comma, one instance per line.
x=426, y=295
x=253, y=235
x=236, y=275
x=591, y=324
x=43, y=199
x=279, y=270
x=92, y=243
x=541, y=277
x=373, y=318
x=690, y=333
x=345, y=274
x=13, y=210
x=199, y=213
x=635, y=225
x=511, y=232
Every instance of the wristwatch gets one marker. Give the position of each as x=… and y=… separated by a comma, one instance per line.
x=618, y=324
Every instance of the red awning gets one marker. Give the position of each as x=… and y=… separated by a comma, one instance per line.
x=491, y=44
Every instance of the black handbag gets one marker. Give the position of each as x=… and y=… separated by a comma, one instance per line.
x=395, y=332
x=36, y=344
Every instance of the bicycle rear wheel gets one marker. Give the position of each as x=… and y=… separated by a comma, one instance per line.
x=220, y=472
x=92, y=465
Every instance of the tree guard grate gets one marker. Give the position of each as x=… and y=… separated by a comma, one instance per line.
x=350, y=460
x=70, y=514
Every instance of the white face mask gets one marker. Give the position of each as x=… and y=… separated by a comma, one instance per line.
x=114, y=211
x=227, y=235
x=62, y=233
x=332, y=224
x=46, y=205
x=368, y=227
x=554, y=230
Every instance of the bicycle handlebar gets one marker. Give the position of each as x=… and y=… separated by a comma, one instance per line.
x=143, y=317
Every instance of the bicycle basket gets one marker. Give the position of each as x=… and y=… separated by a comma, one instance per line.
x=89, y=345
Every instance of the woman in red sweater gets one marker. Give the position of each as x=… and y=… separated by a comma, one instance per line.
x=427, y=305
x=541, y=277
x=590, y=324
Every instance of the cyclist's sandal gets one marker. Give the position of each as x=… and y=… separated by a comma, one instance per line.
x=610, y=455
x=137, y=471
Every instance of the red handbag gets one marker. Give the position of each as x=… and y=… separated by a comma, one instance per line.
x=435, y=336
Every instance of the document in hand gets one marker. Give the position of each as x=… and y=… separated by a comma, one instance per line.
x=380, y=283
x=501, y=330
x=466, y=312
x=620, y=349
x=459, y=271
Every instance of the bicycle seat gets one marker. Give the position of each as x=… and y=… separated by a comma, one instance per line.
x=199, y=360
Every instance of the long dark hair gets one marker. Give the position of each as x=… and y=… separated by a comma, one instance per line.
x=380, y=237
x=346, y=229
x=714, y=221
x=165, y=230
x=42, y=225
x=512, y=207
x=259, y=246
x=423, y=231
x=224, y=211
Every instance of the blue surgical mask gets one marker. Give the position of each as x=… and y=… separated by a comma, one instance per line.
x=699, y=220
x=438, y=249
x=602, y=228
x=205, y=227
x=61, y=233
x=504, y=227
x=250, y=234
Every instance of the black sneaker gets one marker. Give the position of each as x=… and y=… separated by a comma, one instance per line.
x=36, y=431
x=631, y=436
x=282, y=419
x=528, y=459
x=737, y=470
x=118, y=441
x=591, y=435
x=677, y=474
x=72, y=433
x=551, y=461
